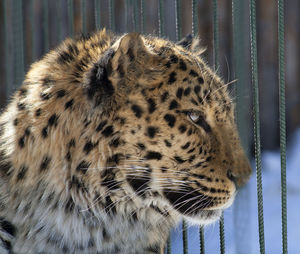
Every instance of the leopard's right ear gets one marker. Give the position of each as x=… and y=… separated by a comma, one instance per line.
x=192, y=44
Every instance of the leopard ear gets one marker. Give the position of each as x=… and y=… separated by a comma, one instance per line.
x=192, y=44
x=134, y=60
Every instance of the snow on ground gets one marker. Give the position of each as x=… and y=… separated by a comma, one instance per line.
x=241, y=222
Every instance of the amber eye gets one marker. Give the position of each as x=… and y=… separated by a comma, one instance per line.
x=194, y=116
x=198, y=119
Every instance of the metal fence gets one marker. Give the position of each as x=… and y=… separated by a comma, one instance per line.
x=26, y=26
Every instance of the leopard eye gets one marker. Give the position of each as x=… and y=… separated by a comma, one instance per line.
x=198, y=119
x=194, y=116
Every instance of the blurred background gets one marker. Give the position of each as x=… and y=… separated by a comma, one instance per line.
x=30, y=28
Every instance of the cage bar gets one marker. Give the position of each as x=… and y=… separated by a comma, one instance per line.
x=161, y=22
x=83, y=16
x=254, y=72
x=194, y=17
x=45, y=25
x=97, y=14
x=282, y=123
x=178, y=19
x=70, y=17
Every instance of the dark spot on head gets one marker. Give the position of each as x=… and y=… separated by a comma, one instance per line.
x=69, y=206
x=197, y=89
x=152, y=155
x=22, y=172
x=193, y=73
x=170, y=119
x=88, y=147
x=16, y=121
x=115, y=142
x=186, y=146
x=108, y=131
x=53, y=120
x=72, y=143
x=182, y=128
x=172, y=77
x=179, y=92
x=151, y=131
x=173, y=59
x=61, y=93
x=168, y=144
x=21, y=106
x=179, y=159
x=164, y=96
x=45, y=163
x=45, y=132
x=137, y=110
x=173, y=105
x=200, y=80
x=101, y=125
x=151, y=105
x=38, y=112
x=83, y=166
x=45, y=96
x=187, y=91
x=182, y=65
x=21, y=142
x=69, y=104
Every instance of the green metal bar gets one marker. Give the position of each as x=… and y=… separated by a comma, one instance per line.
x=60, y=24
x=169, y=250
x=45, y=25
x=253, y=47
x=282, y=121
x=222, y=235
x=184, y=237
x=216, y=66
x=216, y=34
x=111, y=6
x=32, y=27
x=194, y=17
x=142, y=16
x=18, y=42
x=8, y=64
x=178, y=19
x=70, y=17
x=135, y=15
x=161, y=19
x=202, y=242
x=83, y=16
x=97, y=14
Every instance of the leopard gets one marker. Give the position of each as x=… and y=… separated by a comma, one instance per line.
x=111, y=141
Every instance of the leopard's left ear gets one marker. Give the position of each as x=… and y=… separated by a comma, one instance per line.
x=133, y=59
x=192, y=44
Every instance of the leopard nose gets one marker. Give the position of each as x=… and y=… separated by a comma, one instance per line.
x=231, y=177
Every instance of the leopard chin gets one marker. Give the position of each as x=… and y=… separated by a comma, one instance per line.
x=204, y=217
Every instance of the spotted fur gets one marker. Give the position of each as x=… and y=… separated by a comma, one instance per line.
x=110, y=142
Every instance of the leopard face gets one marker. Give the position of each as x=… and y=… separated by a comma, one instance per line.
x=135, y=131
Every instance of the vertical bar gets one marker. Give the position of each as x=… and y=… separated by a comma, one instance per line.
x=240, y=47
x=282, y=121
x=142, y=16
x=83, y=16
x=161, y=21
x=127, y=5
x=111, y=6
x=70, y=17
x=135, y=16
x=194, y=17
x=45, y=25
x=8, y=64
x=202, y=243
x=59, y=9
x=169, y=250
x=184, y=237
x=216, y=66
x=97, y=14
x=216, y=34
x=178, y=19
x=18, y=42
x=253, y=48
x=32, y=27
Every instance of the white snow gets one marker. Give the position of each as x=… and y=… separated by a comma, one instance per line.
x=241, y=221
